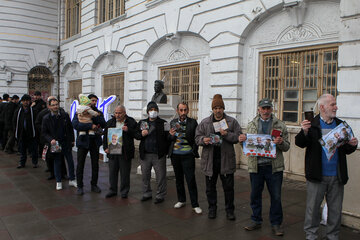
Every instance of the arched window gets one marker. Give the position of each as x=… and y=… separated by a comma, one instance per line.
x=40, y=79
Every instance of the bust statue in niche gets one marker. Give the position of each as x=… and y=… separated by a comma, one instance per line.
x=159, y=96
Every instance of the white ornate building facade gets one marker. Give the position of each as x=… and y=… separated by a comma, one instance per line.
x=291, y=51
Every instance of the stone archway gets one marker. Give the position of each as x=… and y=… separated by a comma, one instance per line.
x=40, y=79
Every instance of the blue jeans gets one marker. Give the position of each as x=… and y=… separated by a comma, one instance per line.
x=58, y=163
x=273, y=183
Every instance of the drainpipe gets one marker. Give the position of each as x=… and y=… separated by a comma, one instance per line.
x=58, y=50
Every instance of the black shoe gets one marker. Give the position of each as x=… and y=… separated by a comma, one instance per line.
x=95, y=189
x=124, y=196
x=212, y=214
x=110, y=194
x=143, y=199
x=35, y=166
x=51, y=177
x=230, y=216
x=20, y=166
x=80, y=191
x=158, y=200
x=47, y=170
x=252, y=226
x=277, y=230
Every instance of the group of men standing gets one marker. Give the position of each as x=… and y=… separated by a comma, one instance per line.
x=180, y=140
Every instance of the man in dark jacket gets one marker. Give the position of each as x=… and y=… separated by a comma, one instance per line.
x=153, y=148
x=218, y=157
x=324, y=177
x=183, y=152
x=24, y=120
x=88, y=142
x=38, y=104
x=57, y=131
x=3, y=132
x=120, y=161
x=49, y=158
x=9, y=125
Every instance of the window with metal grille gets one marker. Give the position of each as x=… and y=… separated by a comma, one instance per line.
x=73, y=15
x=294, y=79
x=40, y=79
x=114, y=85
x=74, y=89
x=183, y=80
x=109, y=9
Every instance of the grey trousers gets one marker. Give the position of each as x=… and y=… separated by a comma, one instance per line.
x=334, y=193
x=152, y=160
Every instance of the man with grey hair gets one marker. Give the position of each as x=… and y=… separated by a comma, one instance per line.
x=120, y=161
x=324, y=177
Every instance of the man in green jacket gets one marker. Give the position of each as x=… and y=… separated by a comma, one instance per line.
x=264, y=169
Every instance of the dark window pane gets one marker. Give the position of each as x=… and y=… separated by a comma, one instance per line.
x=290, y=117
x=291, y=94
x=290, y=106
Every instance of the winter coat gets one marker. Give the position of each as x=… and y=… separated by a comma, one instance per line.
x=313, y=155
x=278, y=162
x=228, y=159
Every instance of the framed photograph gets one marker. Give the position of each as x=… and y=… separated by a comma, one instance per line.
x=114, y=138
x=221, y=124
x=259, y=145
x=216, y=140
x=336, y=138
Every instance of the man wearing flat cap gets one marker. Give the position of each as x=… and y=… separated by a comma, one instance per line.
x=153, y=148
x=217, y=134
x=264, y=169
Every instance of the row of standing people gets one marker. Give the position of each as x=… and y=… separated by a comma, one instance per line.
x=324, y=179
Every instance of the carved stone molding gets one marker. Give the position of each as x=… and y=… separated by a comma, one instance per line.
x=177, y=55
x=298, y=34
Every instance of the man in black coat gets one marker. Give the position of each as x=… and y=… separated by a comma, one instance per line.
x=121, y=161
x=325, y=177
x=3, y=133
x=57, y=131
x=9, y=125
x=49, y=158
x=183, y=152
x=24, y=120
x=153, y=149
x=89, y=142
x=39, y=104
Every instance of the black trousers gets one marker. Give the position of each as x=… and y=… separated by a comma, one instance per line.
x=184, y=165
x=116, y=163
x=81, y=157
x=5, y=137
x=228, y=187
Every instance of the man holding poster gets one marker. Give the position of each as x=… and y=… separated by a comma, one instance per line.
x=118, y=143
x=266, y=169
x=325, y=175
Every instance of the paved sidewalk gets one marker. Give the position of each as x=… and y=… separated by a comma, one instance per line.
x=31, y=208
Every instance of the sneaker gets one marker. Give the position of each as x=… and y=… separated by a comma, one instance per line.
x=58, y=185
x=95, y=189
x=73, y=183
x=252, y=226
x=80, y=191
x=179, y=205
x=277, y=230
x=197, y=210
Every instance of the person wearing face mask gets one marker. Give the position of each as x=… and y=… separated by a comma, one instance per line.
x=121, y=161
x=218, y=155
x=153, y=133
x=183, y=152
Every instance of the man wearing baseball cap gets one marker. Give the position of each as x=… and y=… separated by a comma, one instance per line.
x=265, y=169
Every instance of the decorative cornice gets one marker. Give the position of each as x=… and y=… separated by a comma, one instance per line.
x=177, y=55
x=299, y=34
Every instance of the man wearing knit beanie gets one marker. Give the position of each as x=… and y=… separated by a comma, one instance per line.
x=218, y=155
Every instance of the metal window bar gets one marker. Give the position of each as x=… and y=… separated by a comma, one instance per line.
x=294, y=79
x=183, y=80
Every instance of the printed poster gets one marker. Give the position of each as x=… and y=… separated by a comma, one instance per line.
x=114, y=138
x=259, y=145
